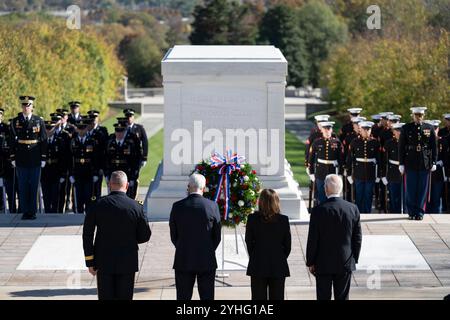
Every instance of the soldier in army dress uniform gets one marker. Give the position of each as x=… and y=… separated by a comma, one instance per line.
x=123, y=154
x=363, y=160
x=418, y=156
x=325, y=157
x=84, y=167
x=100, y=135
x=28, y=155
x=54, y=173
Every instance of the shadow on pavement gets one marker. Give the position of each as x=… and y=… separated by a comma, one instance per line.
x=43, y=293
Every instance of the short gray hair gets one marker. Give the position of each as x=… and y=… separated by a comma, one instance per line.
x=119, y=178
x=197, y=181
x=333, y=183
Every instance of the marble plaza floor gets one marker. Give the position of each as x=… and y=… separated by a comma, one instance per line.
x=401, y=259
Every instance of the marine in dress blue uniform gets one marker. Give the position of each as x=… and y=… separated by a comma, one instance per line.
x=347, y=128
x=418, y=155
x=362, y=166
x=7, y=175
x=391, y=176
x=439, y=177
x=325, y=157
x=28, y=155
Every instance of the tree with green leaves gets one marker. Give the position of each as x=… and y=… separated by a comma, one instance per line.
x=280, y=28
x=320, y=30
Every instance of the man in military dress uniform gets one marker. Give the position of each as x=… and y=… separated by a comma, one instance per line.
x=84, y=167
x=315, y=133
x=63, y=131
x=362, y=166
x=75, y=115
x=139, y=131
x=439, y=177
x=28, y=155
x=445, y=131
x=123, y=154
x=348, y=127
x=6, y=171
x=325, y=157
x=391, y=176
x=346, y=144
x=418, y=154
x=100, y=135
x=113, y=228
x=54, y=173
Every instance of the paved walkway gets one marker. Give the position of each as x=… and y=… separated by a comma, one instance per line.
x=429, y=241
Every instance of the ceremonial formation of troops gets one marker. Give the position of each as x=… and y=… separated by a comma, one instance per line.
x=53, y=164
x=404, y=167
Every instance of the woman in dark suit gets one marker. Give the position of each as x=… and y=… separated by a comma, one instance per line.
x=268, y=239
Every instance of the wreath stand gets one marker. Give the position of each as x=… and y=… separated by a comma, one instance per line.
x=221, y=272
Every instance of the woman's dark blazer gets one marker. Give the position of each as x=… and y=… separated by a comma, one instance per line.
x=268, y=245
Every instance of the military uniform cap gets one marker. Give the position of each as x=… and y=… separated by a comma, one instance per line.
x=358, y=119
x=27, y=99
x=418, y=110
x=2, y=111
x=49, y=124
x=366, y=124
x=447, y=116
x=119, y=127
x=62, y=111
x=322, y=117
x=355, y=110
x=398, y=126
x=434, y=123
x=74, y=104
x=327, y=124
x=122, y=119
x=385, y=115
x=394, y=117
x=376, y=117
x=93, y=113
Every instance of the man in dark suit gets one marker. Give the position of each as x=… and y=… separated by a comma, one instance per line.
x=121, y=226
x=334, y=242
x=195, y=233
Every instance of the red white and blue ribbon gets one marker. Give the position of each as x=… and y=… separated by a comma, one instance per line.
x=225, y=165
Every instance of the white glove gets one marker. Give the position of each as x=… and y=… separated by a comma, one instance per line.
x=350, y=179
x=312, y=177
x=307, y=171
x=345, y=173
x=131, y=184
x=377, y=180
x=94, y=179
x=143, y=163
x=1, y=182
x=72, y=179
x=43, y=164
x=433, y=168
x=385, y=181
x=61, y=180
x=401, y=169
x=440, y=163
x=13, y=163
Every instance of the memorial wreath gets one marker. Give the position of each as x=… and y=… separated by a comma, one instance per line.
x=233, y=184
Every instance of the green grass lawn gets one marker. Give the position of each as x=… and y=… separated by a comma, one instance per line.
x=155, y=152
x=295, y=154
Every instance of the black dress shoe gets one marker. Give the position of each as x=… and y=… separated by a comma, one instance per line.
x=33, y=217
x=420, y=218
x=411, y=217
x=25, y=217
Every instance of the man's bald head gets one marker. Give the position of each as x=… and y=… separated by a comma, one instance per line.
x=333, y=185
x=118, y=181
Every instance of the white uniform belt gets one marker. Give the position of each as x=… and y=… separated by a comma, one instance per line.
x=333, y=162
x=367, y=160
x=397, y=163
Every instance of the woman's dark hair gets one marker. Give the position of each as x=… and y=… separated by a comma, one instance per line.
x=269, y=204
